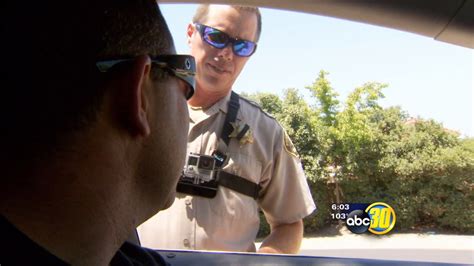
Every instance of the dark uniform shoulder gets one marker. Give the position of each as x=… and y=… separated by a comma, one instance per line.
x=254, y=104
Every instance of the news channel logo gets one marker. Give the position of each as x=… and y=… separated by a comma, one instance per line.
x=378, y=218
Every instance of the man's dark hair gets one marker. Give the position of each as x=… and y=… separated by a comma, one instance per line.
x=50, y=84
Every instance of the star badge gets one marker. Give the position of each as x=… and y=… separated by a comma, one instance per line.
x=242, y=133
x=237, y=129
x=247, y=138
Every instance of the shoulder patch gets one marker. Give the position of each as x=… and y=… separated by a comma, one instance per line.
x=256, y=105
x=289, y=147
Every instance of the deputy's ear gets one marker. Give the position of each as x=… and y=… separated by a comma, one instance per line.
x=132, y=97
x=189, y=32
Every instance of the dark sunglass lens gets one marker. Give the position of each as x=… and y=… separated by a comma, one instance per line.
x=189, y=93
x=215, y=38
x=244, y=48
x=189, y=80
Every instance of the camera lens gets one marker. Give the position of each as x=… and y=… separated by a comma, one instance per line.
x=206, y=163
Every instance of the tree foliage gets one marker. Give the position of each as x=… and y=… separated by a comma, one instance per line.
x=357, y=151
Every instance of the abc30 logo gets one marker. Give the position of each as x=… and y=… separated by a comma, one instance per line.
x=378, y=218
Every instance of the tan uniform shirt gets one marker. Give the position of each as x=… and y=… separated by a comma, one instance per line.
x=230, y=221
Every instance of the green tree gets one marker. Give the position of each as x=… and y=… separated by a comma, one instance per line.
x=357, y=151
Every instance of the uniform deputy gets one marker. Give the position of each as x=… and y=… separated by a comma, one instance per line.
x=260, y=167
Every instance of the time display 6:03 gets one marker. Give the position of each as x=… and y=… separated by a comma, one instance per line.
x=340, y=207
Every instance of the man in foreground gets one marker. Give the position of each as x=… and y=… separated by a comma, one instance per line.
x=255, y=164
x=94, y=127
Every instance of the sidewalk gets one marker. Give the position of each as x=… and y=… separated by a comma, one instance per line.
x=406, y=241
x=415, y=247
x=412, y=247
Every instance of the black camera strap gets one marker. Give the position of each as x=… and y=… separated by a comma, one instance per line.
x=239, y=184
x=231, y=116
x=229, y=180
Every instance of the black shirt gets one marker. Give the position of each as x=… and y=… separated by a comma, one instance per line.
x=18, y=249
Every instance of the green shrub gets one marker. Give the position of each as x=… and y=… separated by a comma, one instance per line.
x=424, y=171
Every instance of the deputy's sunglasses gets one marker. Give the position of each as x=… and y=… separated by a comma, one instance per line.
x=220, y=40
x=181, y=66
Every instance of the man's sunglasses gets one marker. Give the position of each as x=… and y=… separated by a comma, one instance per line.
x=220, y=40
x=181, y=66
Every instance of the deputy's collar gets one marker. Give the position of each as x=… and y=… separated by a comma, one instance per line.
x=198, y=114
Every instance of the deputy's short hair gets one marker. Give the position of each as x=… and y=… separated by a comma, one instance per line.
x=202, y=11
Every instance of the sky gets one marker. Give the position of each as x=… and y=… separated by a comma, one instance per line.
x=425, y=77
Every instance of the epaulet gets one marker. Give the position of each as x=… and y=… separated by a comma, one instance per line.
x=256, y=105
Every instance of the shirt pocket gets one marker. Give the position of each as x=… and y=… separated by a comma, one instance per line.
x=229, y=202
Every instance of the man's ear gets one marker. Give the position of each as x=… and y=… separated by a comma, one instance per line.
x=133, y=102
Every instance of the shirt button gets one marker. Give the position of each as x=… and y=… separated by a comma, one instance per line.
x=187, y=202
x=186, y=243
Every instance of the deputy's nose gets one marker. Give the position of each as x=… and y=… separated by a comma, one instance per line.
x=226, y=53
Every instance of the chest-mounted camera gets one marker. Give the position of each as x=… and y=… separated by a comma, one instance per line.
x=200, y=168
x=200, y=174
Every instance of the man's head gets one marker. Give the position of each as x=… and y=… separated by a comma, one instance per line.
x=219, y=65
x=55, y=95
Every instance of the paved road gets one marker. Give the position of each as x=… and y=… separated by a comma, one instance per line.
x=415, y=247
